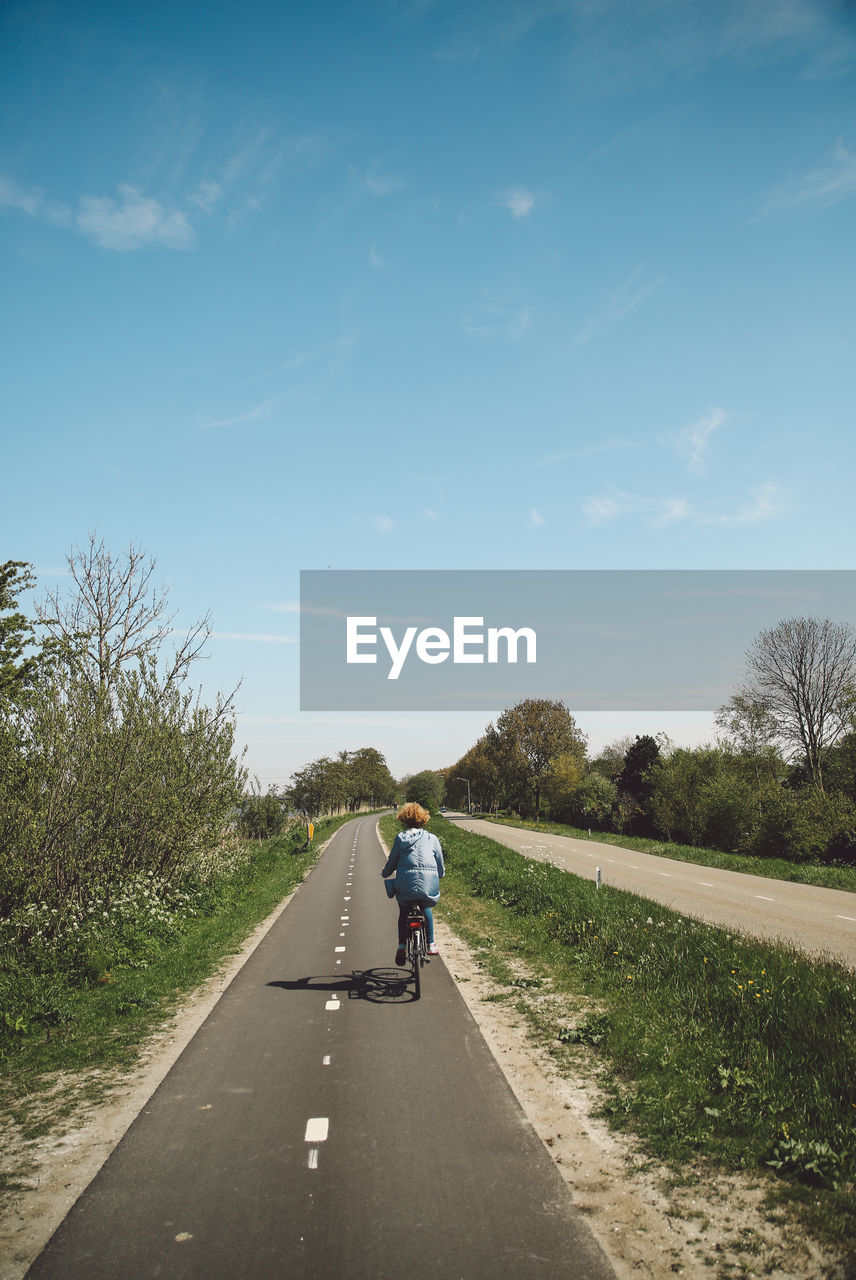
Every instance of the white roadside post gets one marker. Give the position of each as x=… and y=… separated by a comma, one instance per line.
x=597, y=878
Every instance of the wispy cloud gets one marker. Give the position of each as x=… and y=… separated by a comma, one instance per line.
x=606, y=507
x=623, y=43
x=257, y=414
x=32, y=201
x=764, y=503
x=691, y=442
x=206, y=196
x=376, y=260
x=170, y=191
x=383, y=524
x=817, y=189
x=629, y=295
x=133, y=221
x=496, y=319
x=377, y=183
x=535, y=519
x=584, y=451
x=13, y=196
x=253, y=637
x=308, y=355
x=519, y=201
x=431, y=513
x=295, y=606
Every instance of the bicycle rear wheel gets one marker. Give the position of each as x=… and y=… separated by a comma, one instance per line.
x=416, y=938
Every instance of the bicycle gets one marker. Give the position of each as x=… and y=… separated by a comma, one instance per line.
x=416, y=948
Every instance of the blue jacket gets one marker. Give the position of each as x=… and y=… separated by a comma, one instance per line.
x=417, y=860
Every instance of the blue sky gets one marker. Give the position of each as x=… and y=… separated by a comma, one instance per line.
x=427, y=284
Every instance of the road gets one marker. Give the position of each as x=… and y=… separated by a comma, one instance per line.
x=818, y=921
x=322, y=1124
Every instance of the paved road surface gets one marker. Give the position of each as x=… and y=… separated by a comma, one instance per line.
x=323, y=1125
x=819, y=921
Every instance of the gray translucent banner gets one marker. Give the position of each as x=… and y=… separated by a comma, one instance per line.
x=601, y=640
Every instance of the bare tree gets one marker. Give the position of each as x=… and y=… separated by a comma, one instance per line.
x=803, y=673
x=116, y=616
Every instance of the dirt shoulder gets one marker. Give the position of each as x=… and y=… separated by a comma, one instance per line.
x=713, y=1226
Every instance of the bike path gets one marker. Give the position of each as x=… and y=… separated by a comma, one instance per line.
x=321, y=1123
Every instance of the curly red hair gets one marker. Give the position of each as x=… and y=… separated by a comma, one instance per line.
x=413, y=815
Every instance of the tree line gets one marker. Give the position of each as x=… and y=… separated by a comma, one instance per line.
x=346, y=783
x=780, y=779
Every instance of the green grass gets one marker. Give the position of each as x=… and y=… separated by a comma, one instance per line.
x=66, y=1020
x=826, y=877
x=714, y=1046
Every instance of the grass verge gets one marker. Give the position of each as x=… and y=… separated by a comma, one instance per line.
x=56, y=1022
x=713, y=1046
x=825, y=877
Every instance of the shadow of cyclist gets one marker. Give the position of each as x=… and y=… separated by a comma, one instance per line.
x=379, y=986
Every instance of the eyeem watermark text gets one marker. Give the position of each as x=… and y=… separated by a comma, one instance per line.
x=468, y=643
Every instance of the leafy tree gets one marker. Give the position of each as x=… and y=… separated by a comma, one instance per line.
x=369, y=777
x=806, y=825
x=97, y=784
x=18, y=670
x=528, y=738
x=635, y=777
x=480, y=767
x=610, y=761
x=112, y=769
x=262, y=815
x=839, y=766
x=562, y=781
x=316, y=787
x=594, y=800
x=697, y=796
x=426, y=788
x=803, y=672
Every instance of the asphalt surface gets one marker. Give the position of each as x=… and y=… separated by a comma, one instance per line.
x=821, y=922
x=322, y=1123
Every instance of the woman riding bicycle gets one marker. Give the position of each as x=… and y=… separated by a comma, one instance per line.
x=416, y=858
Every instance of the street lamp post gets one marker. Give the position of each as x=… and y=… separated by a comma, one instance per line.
x=469, y=805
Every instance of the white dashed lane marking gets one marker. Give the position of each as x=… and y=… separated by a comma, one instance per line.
x=706, y=883
x=317, y=1128
x=763, y=898
x=340, y=948
x=851, y=918
x=332, y=1004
